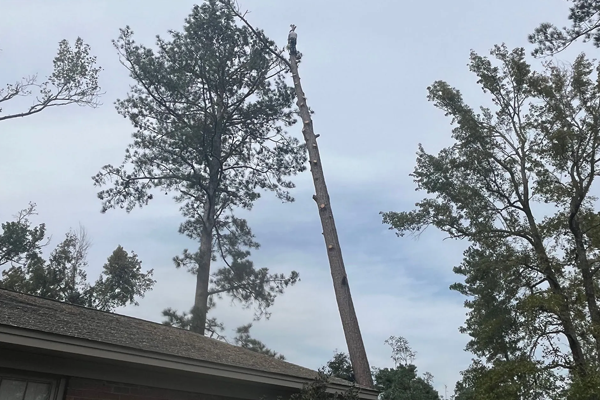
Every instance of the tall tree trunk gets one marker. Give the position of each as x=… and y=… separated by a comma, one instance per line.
x=200, y=309
x=563, y=311
x=356, y=348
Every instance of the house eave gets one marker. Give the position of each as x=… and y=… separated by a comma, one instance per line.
x=76, y=347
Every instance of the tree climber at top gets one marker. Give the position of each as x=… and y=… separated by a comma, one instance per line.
x=292, y=39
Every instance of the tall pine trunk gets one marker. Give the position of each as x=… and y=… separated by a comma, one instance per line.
x=198, y=322
x=356, y=348
x=200, y=309
x=208, y=106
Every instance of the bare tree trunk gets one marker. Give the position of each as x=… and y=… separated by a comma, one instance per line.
x=356, y=348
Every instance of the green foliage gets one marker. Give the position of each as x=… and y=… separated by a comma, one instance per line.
x=20, y=242
x=74, y=80
x=121, y=282
x=243, y=339
x=585, y=23
x=176, y=319
x=586, y=388
x=214, y=330
x=512, y=379
x=63, y=276
x=240, y=280
x=183, y=320
x=317, y=390
x=398, y=383
x=516, y=185
x=209, y=108
x=402, y=354
x=340, y=367
x=402, y=383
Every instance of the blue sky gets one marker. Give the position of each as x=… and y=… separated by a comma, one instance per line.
x=365, y=70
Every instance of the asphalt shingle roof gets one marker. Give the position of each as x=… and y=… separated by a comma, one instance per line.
x=32, y=312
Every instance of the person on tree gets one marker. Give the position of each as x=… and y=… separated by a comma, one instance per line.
x=292, y=37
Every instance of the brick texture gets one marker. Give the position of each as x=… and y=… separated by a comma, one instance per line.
x=89, y=389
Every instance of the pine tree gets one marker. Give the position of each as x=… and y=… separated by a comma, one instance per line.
x=209, y=108
x=356, y=346
x=585, y=25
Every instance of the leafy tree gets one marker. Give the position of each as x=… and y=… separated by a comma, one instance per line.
x=398, y=383
x=464, y=389
x=209, y=108
x=340, y=366
x=243, y=339
x=512, y=379
x=402, y=354
x=20, y=242
x=317, y=390
x=517, y=186
x=402, y=383
x=73, y=81
x=63, y=276
x=121, y=281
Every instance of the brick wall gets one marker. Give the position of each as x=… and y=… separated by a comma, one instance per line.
x=88, y=389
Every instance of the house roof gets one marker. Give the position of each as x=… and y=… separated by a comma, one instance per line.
x=54, y=317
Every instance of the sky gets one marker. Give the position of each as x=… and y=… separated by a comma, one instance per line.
x=365, y=70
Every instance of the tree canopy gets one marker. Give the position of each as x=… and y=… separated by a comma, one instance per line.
x=398, y=383
x=317, y=390
x=74, y=80
x=63, y=276
x=209, y=108
x=517, y=185
x=340, y=366
x=585, y=25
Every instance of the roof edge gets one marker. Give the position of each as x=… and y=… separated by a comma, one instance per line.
x=110, y=352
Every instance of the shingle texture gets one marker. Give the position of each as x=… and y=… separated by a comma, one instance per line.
x=31, y=312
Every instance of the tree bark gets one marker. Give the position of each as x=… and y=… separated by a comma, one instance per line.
x=564, y=312
x=200, y=309
x=356, y=348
